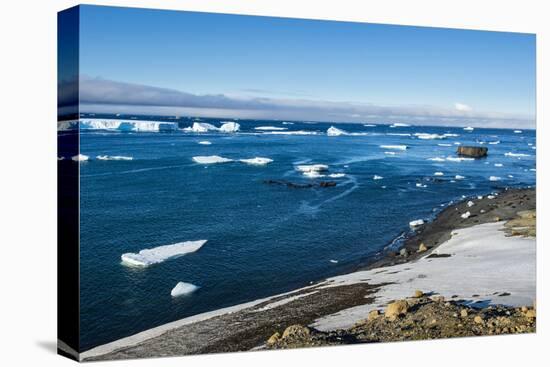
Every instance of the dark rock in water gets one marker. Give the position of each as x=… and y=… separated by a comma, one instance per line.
x=473, y=152
x=294, y=185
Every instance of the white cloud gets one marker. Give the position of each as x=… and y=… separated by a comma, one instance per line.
x=462, y=107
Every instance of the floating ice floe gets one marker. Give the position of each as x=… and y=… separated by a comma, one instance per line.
x=114, y=158
x=398, y=134
x=312, y=167
x=399, y=124
x=334, y=131
x=510, y=154
x=80, y=158
x=287, y=123
x=517, y=131
x=369, y=125
x=498, y=165
x=426, y=136
x=416, y=223
x=437, y=159
x=439, y=174
x=451, y=135
x=465, y=215
x=334, y=261
x=159, y=254
x=494, y=178
x=258, y=161
x=468, y=128
x=533, y=169
x=445, y=145
x=296, y=132
x=459, y=159
x=337, y=175
x=470, y=204
x=494, y=142
x=390, y=153
x=457, y=143
x=210, y=159
x=270, y=128
x=183, y=288
x=459, y=177
x=418, y=184
x=205, y=142
x=313, y=174
x=376, y=177
x=395, y=147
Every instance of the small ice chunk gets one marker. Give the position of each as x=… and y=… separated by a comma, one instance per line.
x=498, y=164
x=399, y=124
x=465, y=215
x=80, y=158
x=459, y=159
x=470, y=204
x=376, y=177
x=270, y=128
x=183, y=288
x=394, y=147
x=114, y=158
x=426, y=136
x=258, y=161
x=205, y=142
x=438, y=174
x=494, y=142
x=334, y=261
x=416, y=223
x=210, y=159
x=159, y=254
x=60, y=158
x=490, y=197
x=418, y=184
x=337, y=175
x=517, y=131
x=333, y=131
x=445, y=145
x=469, y=128
x=459, y=177
x=437, y=159
x=390, y=153
x=479, y=197
x=312, y=167
x=510, y=154
x=494, y=178
x=313, y=174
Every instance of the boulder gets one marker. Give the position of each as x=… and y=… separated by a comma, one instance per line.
x=395, y=309
x=422, y=247
x=418, y=294
x=473, y=152
x=273, y=338
x=296, y=332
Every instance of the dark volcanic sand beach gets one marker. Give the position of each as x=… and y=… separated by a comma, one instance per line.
x=252, y=325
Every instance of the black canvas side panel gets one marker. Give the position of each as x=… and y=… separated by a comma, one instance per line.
x=68, y=328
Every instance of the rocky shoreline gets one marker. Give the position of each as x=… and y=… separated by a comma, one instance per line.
x=295, y=319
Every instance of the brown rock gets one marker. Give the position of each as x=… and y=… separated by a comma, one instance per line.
x=464, y=312
x=474, y=152
x=418, y=294
x=478, y=319
x=395, y=309
x=531, y=314
x=274, y=338
x=296, y=331
x=373, y=315
x=422, y=247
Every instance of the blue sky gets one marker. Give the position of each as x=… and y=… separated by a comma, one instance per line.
x=263, y=67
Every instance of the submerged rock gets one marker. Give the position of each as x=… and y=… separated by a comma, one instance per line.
x=473, y=152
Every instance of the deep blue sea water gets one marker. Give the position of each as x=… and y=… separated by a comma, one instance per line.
x=262, y=239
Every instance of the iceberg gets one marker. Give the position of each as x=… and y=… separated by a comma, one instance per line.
x=183, y=288
x=114, y=158
x=469, y=128
x=229, y=127
x=270, y=128
x=418, y=184
x=517, y=131
x=210, y=159
x=312, y=168
x=396, y=147
x=398, y=124
x=438, y=174
x=159, y=254
x=398, y=134
x=494, y=178
x=416, y=223
x=390, y=153
x=376, y=177
x=80, y=158
x=205, y=142
x=459, y=177
x=201, y=127
x=333, y=131
x=258, y=161
x=126, y=126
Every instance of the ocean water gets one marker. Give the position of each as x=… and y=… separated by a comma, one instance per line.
x=262, y=239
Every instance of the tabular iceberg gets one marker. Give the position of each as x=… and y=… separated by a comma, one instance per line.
x=229, y=127
x=159, y=254
x=126, y=126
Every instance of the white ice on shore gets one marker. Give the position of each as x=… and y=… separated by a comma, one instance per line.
x=257, y=161
x=80, y=158
x=312, y=167
x=270, y=128
x=470, y=204
x=416, y=223
x=334, y=131
x=465, y=215
x=183, y=288
x=114, y=158
x=395, y=147
x=211, y=159
x=483, y=261
x=159, y=254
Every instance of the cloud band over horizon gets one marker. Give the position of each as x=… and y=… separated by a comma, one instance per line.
x=97, y=95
